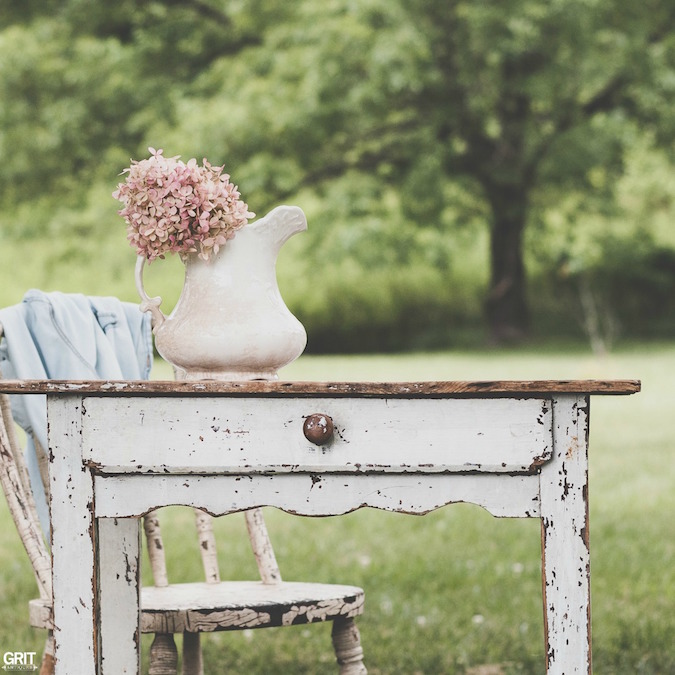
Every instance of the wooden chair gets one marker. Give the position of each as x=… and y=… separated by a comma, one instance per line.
x=215, y=605
x=190, y=608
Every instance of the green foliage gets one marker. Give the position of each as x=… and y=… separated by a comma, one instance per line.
x=409, y=133
x=621, y=258
x=57, y=114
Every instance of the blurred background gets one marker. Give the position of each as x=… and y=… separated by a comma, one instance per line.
x=471, y=171
x=490, y=194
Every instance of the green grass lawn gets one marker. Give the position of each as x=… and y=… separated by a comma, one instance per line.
x=456, y=589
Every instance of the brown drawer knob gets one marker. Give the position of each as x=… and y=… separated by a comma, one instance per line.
x=318, y=428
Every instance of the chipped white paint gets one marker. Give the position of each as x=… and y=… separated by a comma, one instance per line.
x=257, y=435
x=262, y=547
x=207, y=546
x=347, y=644
x=565, y=542
x=119, y=580
x=250, y=604
x=16, y=486
x=73, y=553
x=550, y=482
x=318, y=494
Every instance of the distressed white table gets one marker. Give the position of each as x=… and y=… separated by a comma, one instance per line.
x=120, y=449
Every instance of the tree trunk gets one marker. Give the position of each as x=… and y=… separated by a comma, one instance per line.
x=506, y=305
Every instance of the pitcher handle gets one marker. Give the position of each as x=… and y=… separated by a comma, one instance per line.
x=148, y=304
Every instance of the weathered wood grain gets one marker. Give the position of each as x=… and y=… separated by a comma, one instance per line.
x=449, y=389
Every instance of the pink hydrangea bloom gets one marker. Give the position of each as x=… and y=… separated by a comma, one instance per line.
x=175, y=207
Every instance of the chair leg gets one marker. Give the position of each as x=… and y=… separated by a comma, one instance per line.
x=347, y=645
x=163, y=655
x=192, y=655
x=47, y=665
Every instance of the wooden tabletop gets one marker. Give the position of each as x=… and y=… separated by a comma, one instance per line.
x=447, y=389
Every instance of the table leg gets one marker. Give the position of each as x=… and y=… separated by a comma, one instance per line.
x=118, y=595
x=565, y=550
x=72, y=520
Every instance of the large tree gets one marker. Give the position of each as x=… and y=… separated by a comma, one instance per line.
x=524, y=104
x=517, y=99
x=517, y=103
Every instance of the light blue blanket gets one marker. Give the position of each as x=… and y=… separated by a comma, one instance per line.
x=68, y=336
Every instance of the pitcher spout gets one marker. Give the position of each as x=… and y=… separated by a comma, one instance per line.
x=280, y=224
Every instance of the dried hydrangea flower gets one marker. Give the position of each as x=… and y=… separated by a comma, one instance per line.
x=175, y=207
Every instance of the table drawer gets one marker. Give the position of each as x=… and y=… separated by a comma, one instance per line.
x=244, y=435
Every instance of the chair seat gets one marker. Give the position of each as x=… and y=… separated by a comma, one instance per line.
x=232, y=605
x=236, y=605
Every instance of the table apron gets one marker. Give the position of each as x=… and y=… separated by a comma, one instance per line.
x=317, y=495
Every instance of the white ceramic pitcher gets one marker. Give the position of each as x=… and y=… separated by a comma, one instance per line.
x=230, y=322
